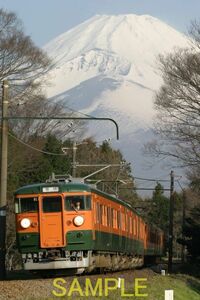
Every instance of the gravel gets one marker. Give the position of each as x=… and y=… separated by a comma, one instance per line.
x=23, y=286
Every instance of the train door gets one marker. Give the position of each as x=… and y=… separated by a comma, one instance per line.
x=51, y=222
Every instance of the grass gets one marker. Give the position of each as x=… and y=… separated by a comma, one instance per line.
x=185, y=287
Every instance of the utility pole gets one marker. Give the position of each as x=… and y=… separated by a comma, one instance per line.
x=183, y=226
x=171, y=219
x=3, y=192
x=74, y=160
x=74, y=149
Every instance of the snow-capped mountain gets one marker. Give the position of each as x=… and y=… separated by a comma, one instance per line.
x=107, y=66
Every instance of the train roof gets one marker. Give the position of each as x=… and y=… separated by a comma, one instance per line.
x=38, y=188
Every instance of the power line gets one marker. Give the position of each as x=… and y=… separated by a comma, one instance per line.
x=151, y=179
x=76, y=111
x=62, y=154
x=180, y=185
x=157, y=180
x=34, y=148
x=150, y=189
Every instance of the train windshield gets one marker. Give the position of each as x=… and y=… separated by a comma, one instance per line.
x=78, y=202
x=52, y=204
x=23, y=205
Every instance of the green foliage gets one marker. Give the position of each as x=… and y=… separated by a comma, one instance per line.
x=57, y=162
x=31, y=166
x=158, y=212
x=194, y=178
x=50, y=160
x=191, y=231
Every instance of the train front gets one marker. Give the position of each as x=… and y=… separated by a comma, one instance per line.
x=54, y=226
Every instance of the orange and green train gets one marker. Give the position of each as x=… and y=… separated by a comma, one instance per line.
x=76, y=227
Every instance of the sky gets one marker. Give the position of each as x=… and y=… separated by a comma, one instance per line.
x=45, y=19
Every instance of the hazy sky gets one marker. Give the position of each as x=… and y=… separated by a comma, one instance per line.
x=45, y=19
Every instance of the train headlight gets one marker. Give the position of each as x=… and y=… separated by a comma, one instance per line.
x=25, y=223
x=78, y=220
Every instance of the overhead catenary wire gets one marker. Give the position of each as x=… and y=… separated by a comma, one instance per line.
x=39, y=150
x=34, y=148
x=180, y=185
x=151, y=179
x=89, y=116
x=78, y=112
x=63, y=154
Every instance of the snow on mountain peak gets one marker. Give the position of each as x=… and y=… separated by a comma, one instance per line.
x=114, y=45
x=107, y=66
x=117, y=33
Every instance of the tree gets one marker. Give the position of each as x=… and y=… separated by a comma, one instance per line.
x=191, y=232
x=158, y=208
x=25, y=66
x=21, y=62
x=194, y=179
x=51, y=161
x=178, y=105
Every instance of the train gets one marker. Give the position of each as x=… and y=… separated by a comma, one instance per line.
x=73, y=226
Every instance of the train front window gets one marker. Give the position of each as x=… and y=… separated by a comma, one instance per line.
x=78, y=202
x=52, y=204
x=23, y=205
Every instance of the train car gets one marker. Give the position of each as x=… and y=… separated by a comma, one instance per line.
x=73, y=226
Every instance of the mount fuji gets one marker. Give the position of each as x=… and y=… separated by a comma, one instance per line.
x=107, y=67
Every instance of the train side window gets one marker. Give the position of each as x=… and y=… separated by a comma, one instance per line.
x=142, y=229
x=114, y=219
x=135, y=227
x=97, y=213
x=127, y=222
x=118, y=220
x=108, y=216
x=111, y=217
x=101, y=214
x=138, y=227
x=105, y=216
x=131, y=225
x=123, y=221
x=87, y=202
